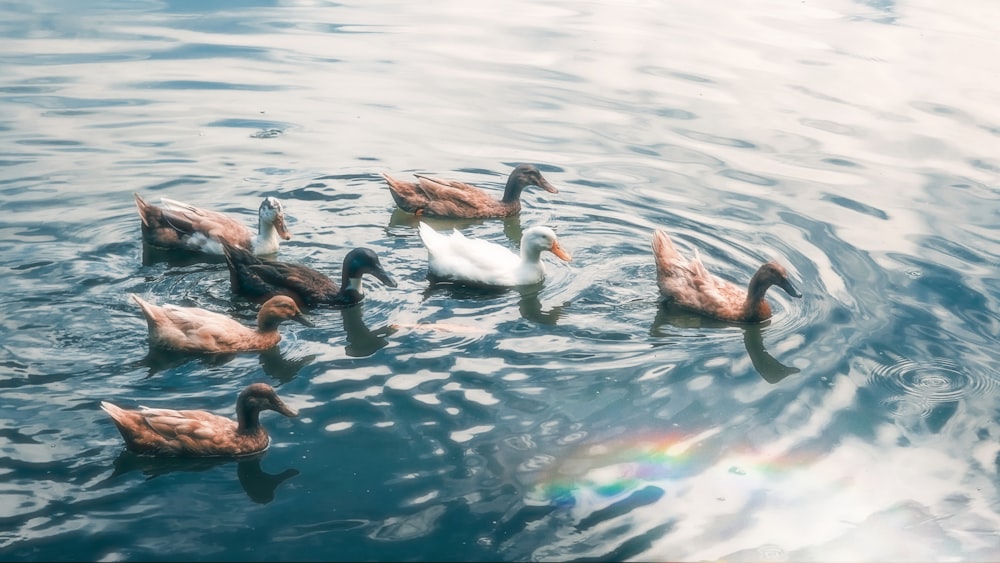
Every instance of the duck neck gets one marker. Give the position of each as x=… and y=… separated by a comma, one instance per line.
x=247, y=418
x=512, y=191
x=267, y=325
x=756, y=307
x=350, y=289
x=267, y=238
x=531, y=255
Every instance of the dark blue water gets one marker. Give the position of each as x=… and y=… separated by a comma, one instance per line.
x=854, y=142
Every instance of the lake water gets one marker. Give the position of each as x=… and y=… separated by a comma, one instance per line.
x=856, y=142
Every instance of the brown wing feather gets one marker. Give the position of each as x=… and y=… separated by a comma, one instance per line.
x=301, y=279
x=447, y=198
x=172, y=224
x=190, y=220
x=458, y=199
x=407, y=195
x=689, y=285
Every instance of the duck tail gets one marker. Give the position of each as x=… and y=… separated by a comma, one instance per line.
x=427, y=234
x=146, y=306
x=402, y=193
x=114, y=411
x=124, y=419
x=149, y=311
x=663, y=249
x=143, y=208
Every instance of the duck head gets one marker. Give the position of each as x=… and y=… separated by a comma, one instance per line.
x=773, y=273
x=272, y=213
x=278, y=309
x=538, y=239
x=522, y=176
x=255, y=398
x=362, y=261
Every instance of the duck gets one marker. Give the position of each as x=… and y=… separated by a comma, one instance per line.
x=688, y=285
x=178, y=225
x=434, y=197
x=192, y=329
x=197, y=433
x=259, y=279
x=455, y=257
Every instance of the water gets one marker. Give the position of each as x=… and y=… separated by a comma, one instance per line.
x=855, y=142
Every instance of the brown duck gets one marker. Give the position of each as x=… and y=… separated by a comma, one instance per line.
x=433, y=197
x=178, y=225
x=192, y=329
x=194, y=433
x=688, y=285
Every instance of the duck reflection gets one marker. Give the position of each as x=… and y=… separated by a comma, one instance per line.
x=362, y=341
x=271, y=360
x=176, y=258
x=766, y=365
x=161, y=359
x=531, y=306
x=281, y=368
x=401, y=221
x=529, y=303
x=258, y=485
x=769, y=368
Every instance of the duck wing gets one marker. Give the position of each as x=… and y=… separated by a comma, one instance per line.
x=212, y=224
x=674, y=276
x=407, y=195
x=191, y=328
x=686, y=282
x=307, y=283
x=204, y=331
x=456, y=199
x=178, y=224
x=262, y=279
x=190, y=432
x=713, y=295
x=457, y=257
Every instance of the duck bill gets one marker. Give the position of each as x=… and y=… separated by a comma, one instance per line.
x=384, y=277
x=545, y=185
x=789, y=288
x=284, y=409
x=303, y=320
x=558, y=251
x=279, y=225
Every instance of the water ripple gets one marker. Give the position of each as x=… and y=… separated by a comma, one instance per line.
x=916, y=386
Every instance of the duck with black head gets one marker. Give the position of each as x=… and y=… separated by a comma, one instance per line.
x=434, y=197
x=688, y=285
x=259, y=279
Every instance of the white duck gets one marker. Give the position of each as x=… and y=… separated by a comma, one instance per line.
x=178, y=225
x=457, y=258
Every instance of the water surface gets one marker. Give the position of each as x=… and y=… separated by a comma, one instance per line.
x=854, y=142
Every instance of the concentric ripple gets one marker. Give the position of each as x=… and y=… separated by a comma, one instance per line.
x=916, y=386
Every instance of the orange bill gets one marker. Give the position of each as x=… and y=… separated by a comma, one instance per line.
x=558, y=251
